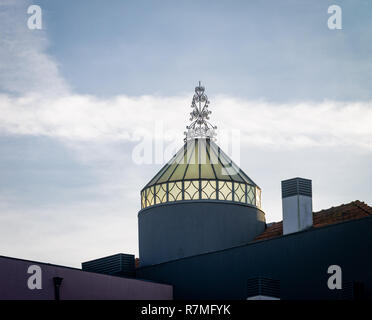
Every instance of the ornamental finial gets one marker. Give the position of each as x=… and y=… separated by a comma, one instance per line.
x=200, y=127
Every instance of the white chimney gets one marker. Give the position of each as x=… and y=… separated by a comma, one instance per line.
x=297, y=205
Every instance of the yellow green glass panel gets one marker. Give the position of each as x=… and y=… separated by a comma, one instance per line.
x=251, y=198
x=191, y=190
x=258, y=197
x=239, y=192
x=161, y=193
x=143, y=199
x=182, y=166
x=206, y=171
x=150, y=196
x=208, y=189
x=225, y=190
x=170, y=170
x=192, y=171
x=175, y=191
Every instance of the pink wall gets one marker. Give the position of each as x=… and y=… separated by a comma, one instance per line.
x=76, y=284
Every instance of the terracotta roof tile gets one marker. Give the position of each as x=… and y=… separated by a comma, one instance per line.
x=344, y=212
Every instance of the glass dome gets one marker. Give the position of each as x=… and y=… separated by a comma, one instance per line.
x=200, y=170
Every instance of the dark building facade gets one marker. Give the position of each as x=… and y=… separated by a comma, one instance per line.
x=299, y=261
x=32, y=280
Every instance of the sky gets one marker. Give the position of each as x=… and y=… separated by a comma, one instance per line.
x=80, y=95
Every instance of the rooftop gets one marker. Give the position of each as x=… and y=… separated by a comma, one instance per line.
x=350, y=211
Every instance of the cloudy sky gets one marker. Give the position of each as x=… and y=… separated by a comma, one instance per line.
x=78, y=96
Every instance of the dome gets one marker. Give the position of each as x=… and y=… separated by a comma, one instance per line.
x=200, y=170
x=200, y=201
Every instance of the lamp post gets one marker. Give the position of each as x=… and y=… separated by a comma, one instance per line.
x=57, y=281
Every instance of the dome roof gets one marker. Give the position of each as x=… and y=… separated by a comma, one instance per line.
x=200, y=170
x=200, y=159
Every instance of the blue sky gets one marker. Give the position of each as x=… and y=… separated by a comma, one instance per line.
x=277, y=50
x=77, y=96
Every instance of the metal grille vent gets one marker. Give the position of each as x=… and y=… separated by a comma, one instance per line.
x=296, y=186
x=118, y=265
x=352, y=290
x=260, y=286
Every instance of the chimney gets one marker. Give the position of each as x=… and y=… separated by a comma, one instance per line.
x=297, y=204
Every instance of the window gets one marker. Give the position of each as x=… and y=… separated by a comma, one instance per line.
x=175, y=191
x=161, y=193
x=251, y=198
x=143, y=199
x=239, y=192
x=208, y=189
x=191, y=190
x=201, y=189
x=258, y=197
x=225, y=190
x=149, y=196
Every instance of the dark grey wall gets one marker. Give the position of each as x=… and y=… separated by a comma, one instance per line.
x=300, y=261
x=182, y=229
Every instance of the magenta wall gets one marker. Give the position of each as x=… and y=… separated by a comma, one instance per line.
x=76, y=284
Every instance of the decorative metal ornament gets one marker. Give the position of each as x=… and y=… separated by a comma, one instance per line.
x=200, y=127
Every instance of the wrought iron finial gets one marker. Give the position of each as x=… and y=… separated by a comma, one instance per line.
x=200, y=127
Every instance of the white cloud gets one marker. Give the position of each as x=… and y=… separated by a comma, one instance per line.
x=123, y=118
x=305, y=124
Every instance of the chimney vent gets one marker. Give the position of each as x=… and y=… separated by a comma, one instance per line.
x=297, y=205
